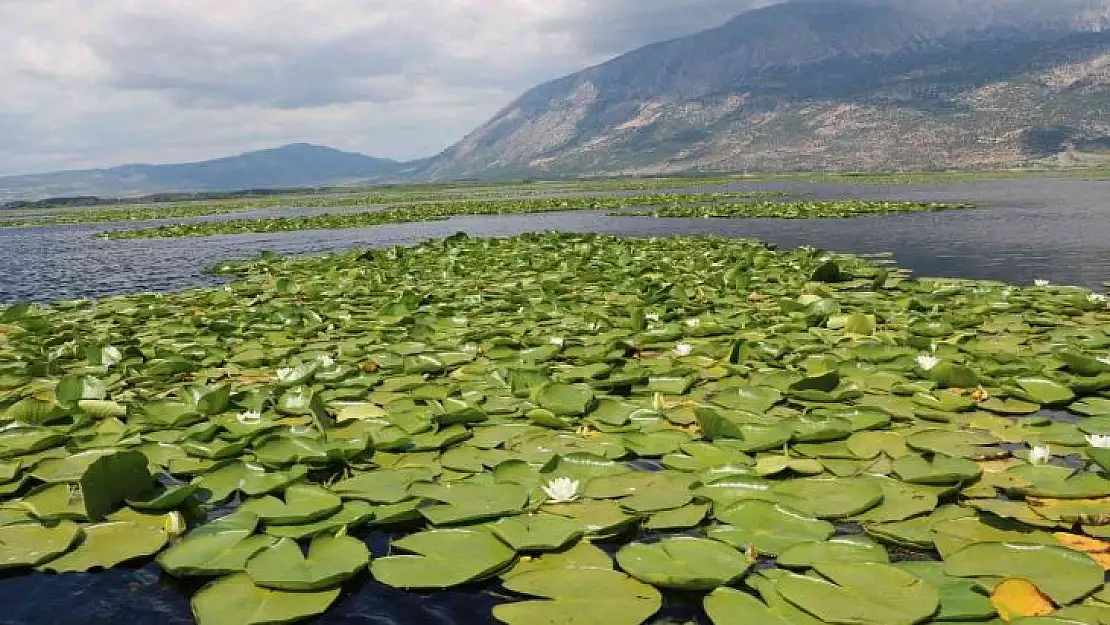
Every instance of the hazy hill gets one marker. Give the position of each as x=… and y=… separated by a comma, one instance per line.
x=296, y=165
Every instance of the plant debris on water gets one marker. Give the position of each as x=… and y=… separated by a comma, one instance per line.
x=722, y=416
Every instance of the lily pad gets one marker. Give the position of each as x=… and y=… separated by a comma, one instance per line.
x=768, y=528
x=31, y=544
x=574, y=595
x=683, y=563
x=1064, y=575
x=235, y=600
x=863, y=593
x=330, y=561
x=443, y=558
x=217, y=548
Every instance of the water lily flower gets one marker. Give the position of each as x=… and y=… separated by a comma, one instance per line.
x=250, y=417
x=693, y=322
x=652, y=317
x=111, y=356
x=927, y=362
x=326, y=361
x=1039, y=282
x=286, y=373
x=684, y=349
x=1096, y=298
x=174, y=524
x=1040, y=454
x=1100, y=441
x=1104, y=360
x=561, y=490
x=558, y=341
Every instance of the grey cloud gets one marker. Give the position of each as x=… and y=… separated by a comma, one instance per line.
x=213, y=70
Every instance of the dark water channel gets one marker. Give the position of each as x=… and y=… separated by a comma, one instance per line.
x=1053, y=229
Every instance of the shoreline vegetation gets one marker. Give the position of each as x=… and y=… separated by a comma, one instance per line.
x=663, y=205
x=71, y=210
x=565, y=421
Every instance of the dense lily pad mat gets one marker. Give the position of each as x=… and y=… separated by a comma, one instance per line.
x=499, y=405
x=795, y=210
x=732, y=204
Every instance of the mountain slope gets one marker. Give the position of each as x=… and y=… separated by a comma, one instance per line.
x=821, y=84
x=295, y=165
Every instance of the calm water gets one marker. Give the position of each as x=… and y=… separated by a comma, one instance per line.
x=1057, y=230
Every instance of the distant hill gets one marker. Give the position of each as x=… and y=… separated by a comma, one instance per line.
x=822, y=85
x=295, y=165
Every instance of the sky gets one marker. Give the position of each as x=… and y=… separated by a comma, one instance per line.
x=107, y=82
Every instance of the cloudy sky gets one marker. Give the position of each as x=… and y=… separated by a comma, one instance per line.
x=97, y=83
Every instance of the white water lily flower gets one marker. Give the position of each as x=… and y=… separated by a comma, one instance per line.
x=693, y=322
x=927, y=362
x=652, y=317
x=286, y=373
x=1041, y=282
x=1104, y=360
x=561, y=490
x=250, y=417
x=684, y=349
x=110, y=356
x=326, y=361
x=1096, y=298
x=1100, y=441
x=1040, y=454
x=558, y=341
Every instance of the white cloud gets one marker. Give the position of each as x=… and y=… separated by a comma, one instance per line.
x=113, y=81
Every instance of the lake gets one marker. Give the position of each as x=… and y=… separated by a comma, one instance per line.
x=1053, y=229
x=1057, y=230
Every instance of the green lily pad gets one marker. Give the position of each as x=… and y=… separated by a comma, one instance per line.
x=217, y=548
x=1062, y=574
x=302, y=503
x=538, y=532
x=683, y=563
x=235, y=600
x=112, y=479
x=565, y=399
x=863, y=593
x=837, y=549
x=767, y=527
x=104, y=545
x=443, y=558
x=574, y=595
x=960, y=599
x=330, y=561
x=1045, y=391
x=31, y=544
x=728, y=606
x=829, y=498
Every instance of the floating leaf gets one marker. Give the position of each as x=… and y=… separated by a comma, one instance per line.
x=574, y=595
x=234, y=600
x=1015, y=598
x=330, y=561
x=1060, y=573
x=767, y=527
x=683, y=563
x=861, y=592
x=31, y=544
x=443, y=558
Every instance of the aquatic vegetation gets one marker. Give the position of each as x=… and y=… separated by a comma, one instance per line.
x=722, y=416
x=794, y=209
x=429, y=211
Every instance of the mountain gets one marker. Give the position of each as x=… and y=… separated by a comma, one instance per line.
x=295, y=165
x=822, y=85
